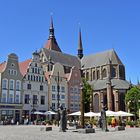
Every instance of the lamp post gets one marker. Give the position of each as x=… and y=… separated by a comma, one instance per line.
x=82, y=105
x=58, y=97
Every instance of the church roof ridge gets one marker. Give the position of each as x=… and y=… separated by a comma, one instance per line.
x=101, y=58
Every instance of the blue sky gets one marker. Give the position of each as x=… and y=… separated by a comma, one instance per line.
x=105, y=24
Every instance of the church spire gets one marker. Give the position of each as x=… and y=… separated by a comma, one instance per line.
x=52, y=43
x=51, y=34
x=80, y=46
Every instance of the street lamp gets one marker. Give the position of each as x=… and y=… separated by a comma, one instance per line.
x=82, y=105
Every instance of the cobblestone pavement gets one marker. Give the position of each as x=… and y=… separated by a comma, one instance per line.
x=38, y=133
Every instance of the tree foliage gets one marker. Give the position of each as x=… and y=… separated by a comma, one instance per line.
x=132, y=99
x=87, y=91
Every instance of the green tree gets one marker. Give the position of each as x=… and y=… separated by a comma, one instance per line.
x=87, y=91
x=132, y=99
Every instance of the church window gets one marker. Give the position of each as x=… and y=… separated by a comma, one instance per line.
x=98, y=74
x=93, y=75
x=104, y=73
x=121, y=71
x=87, y=76
x=113, y=72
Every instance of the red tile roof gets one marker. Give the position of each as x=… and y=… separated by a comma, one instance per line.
x=52, y=45
x=3, y=66
x=23, y=66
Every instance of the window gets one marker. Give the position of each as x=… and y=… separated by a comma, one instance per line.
x=41, y=87
x=122, y=72
x=18, y=85
x=28, y=77
x=98, y=74
x=4, y=84
x=53, y=88
x=31, y=77
x=26, y=100
x=36, y=78
x=38, y=71
x=113, y=72
x=15, y=72
x=17, y=98
x=4, y=98
x=53, y=96
x=28, y=86
x=11, y=98
x=87, y=76
x=62, y=97
x=42, y=100
x=62, y=89
x=35, y=64
x=11, y=84
x=53, y=105
x=93, y=75
x=35, y=70
x=35, y=100
x=32, y=70
x=104, y=73
x=39, y=79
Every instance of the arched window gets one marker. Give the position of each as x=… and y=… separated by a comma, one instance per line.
x=113, y=72
x=4, y=84
x=87, y=76
x=104, y=73
x=98, y=74
x=11, y=84
x=18, y=85
x=93, y=75
x=121, y=71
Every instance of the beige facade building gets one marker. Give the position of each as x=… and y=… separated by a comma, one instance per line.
x=10, y=90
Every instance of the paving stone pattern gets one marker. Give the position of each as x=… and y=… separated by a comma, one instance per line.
x=38, y=133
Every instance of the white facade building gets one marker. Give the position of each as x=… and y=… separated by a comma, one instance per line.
x=35, y=87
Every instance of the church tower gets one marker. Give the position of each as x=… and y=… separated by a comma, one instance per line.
x=80, y=46
x=52, y=43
